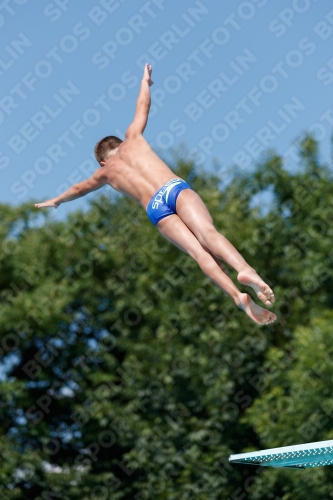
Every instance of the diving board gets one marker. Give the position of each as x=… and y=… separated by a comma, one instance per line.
x=300, y=456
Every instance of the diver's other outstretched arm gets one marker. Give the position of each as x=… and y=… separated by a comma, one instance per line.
x=96, y=181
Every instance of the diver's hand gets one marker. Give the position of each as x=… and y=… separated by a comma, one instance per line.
x=147, y=74
x=49, y=203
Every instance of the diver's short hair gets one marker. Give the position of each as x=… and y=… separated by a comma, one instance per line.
x=104, y=147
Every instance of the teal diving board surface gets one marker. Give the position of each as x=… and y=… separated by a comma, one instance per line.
x=300, y=456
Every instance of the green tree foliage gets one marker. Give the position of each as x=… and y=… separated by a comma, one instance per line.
x=128, y=375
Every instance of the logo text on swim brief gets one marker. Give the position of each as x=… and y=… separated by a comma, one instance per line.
x=159, y=197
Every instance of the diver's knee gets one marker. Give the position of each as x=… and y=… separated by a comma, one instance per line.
x=207, y=237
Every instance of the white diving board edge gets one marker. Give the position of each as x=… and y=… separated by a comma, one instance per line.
x=300, y=456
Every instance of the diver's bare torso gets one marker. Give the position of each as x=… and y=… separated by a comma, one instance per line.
x=135, y=170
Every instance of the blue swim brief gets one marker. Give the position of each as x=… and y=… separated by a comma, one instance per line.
x=163, y=203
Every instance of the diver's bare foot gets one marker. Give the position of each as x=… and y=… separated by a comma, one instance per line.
x=250, y=278
x=258, y=314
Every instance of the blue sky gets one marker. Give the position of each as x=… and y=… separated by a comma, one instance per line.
x=231, y=79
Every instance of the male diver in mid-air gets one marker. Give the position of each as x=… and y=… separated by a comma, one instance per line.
x=178, y=212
